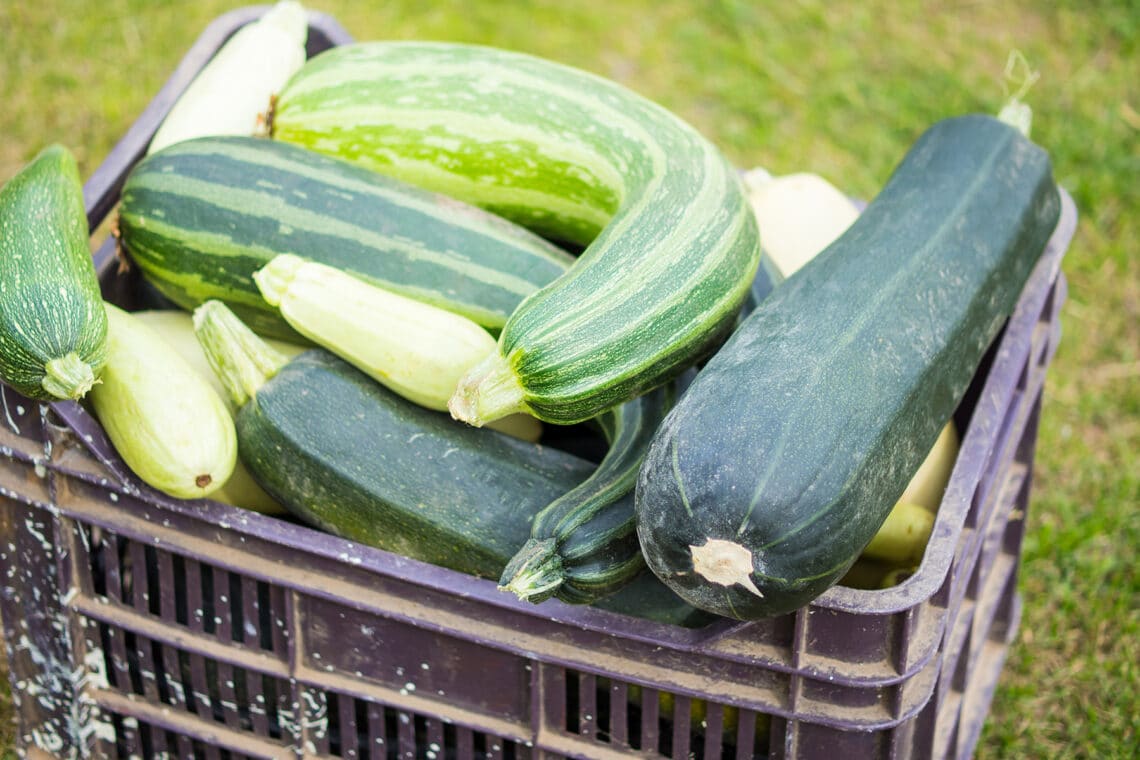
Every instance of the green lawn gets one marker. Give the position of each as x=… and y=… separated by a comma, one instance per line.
x=839, y=88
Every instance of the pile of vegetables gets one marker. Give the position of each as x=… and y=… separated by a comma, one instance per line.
x=507, y=317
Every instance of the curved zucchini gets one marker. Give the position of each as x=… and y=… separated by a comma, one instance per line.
x=163, y=418
x=671, y=243
x=53, y=331
x=199, y=217
x=794, y=442
x=345, y=454
x=583, y=546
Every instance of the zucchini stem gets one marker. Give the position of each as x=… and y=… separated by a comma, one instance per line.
x=241, y=360
x=1017, y=72
x=725, y=563
x=535, y=573
x=68, y=377
x=488, y=391
x=274, y=278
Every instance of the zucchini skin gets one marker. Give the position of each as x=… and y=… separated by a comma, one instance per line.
x=671, y=242
x=199, y=217
x=53, y=330
x=345, y=454
x=228, y=95
x=792, y=445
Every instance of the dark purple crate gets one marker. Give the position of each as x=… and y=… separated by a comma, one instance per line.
x=139, y=625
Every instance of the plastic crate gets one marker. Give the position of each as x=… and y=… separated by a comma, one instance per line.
x=141, y=626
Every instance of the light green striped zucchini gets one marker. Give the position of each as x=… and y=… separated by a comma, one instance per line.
x=671, y=244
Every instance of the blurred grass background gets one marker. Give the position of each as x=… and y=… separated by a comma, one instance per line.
x=837, y=88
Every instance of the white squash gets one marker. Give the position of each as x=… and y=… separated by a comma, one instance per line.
x=231, y=94
x=798, y=214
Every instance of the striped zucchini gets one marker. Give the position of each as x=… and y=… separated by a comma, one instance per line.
x=199, y=217
x=671, y=243
x=584, y=546
x=53, y=330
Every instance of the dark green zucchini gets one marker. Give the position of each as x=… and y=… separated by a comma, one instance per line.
x=199, y=217
x=789, y=450
x=347, y=455
x=583, y=546
x=350, y=457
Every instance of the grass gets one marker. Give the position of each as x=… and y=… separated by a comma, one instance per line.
x=839, y=88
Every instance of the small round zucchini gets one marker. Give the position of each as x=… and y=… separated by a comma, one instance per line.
x=165, y=420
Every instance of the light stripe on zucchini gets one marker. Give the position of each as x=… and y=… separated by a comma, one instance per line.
x=672, y=244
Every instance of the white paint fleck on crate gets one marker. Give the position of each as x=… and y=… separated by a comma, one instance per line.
x=30, y=526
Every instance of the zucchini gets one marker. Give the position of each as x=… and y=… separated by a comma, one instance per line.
x=164, y=419
x=176, y=327
x=414, y=349
x=903, y=535
x=583, y=545
x=345, y=454
x=789, y=449
x=199, y=217
x=231, y=93
x=929, y=481
x=53, y=332
x=671, y=245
